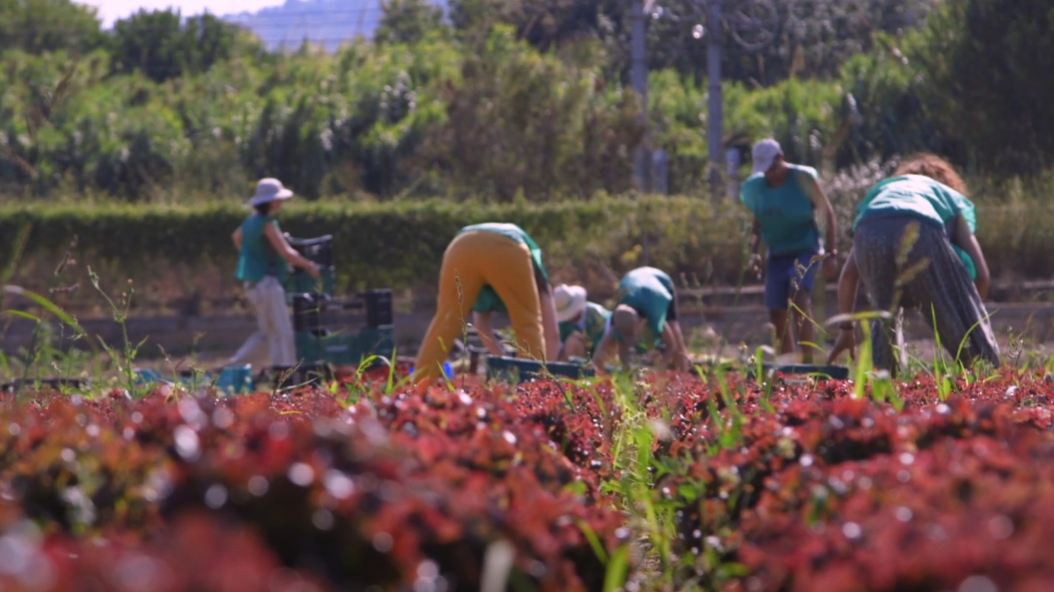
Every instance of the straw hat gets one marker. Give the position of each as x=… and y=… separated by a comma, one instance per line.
x=570, y=302
x=268, y=190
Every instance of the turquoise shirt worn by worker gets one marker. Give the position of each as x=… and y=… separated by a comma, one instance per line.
x=593, y=324
x=786, y=213
x=257, y=258
x=648, y=291
x=922, y=198
x=488, y=300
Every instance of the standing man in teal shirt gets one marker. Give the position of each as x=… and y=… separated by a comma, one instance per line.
x=647, y=300
x=785, y=199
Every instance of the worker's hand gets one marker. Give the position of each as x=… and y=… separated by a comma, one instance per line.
x=830, y=266
x=845, y=342
x=982, y=288
x=313, y=271
x=755, y=264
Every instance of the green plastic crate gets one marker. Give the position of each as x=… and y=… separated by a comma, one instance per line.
x=299, y=282
x=520, y=370
x=345, y=349
x=833, y=372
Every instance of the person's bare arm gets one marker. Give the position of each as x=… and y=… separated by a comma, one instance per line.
x=573, y=346
x=550, y=328
x=237, y=238
x=600, y=356
x=822, y=204
x=964, y=238
x=486, y=333
x=673, y=346
x=755, y=245
x=848, y=284
x=281, y=246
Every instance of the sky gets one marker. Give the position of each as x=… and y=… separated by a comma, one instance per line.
x=111, y=10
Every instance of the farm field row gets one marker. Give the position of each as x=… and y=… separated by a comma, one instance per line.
x=641, y=482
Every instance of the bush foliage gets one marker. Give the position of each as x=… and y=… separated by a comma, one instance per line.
x=400, y=245
x=524, y=99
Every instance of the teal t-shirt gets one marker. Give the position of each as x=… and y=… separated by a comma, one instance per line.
x=593, y=324
x=257, y=258
x=649, y=291
x=786, y=213
x=488, y=300
x=922, y=198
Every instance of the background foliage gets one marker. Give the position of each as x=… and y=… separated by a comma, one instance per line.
x=181, y=254
x=504, y=98
x=516, y=111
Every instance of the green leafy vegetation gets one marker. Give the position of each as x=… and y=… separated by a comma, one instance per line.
x=510, y=99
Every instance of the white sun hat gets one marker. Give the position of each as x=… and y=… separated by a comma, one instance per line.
x=570, y=302
x=764, y=153
x=268, y=190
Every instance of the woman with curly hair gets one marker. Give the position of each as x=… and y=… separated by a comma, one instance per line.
x=914, y=246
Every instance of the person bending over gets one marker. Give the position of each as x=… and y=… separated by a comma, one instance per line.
x=582, y=324
x=490, y=268
x=914, y=246
x=647, y=304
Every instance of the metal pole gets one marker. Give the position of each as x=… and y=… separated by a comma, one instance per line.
x=639, y=76
x=715, y=118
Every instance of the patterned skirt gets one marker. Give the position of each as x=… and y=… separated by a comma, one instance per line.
x=905, y=263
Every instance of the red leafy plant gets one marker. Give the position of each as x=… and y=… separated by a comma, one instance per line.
x=825, y=492
x=391, y=492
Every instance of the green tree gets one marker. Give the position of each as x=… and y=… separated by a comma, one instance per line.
x=524, y=122
x=408, y=21
x=542, y=23
x=39, y=26
x=989, y=66
x=812, y=38
x=161, y=46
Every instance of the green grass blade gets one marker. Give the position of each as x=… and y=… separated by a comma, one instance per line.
x=46, y=305
x=618, y=569
x=23, y=315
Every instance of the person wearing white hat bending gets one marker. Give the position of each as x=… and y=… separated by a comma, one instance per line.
x=260, y=245
x=582, y=323
x=785, y=199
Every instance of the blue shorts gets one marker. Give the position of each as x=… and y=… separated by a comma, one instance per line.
x=783, y=278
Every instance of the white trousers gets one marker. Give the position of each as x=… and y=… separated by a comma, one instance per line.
x=274, y=339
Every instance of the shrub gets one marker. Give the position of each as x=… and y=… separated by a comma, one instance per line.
x=397, y=245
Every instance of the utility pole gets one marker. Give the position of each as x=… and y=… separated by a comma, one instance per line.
x=639, y=77
x=715, y=118
x=753, y=25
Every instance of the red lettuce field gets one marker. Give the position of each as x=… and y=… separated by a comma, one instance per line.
x=672, y=483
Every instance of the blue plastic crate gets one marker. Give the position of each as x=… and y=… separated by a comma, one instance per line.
x=522, y=370
x=448, y=370
x=234, y=380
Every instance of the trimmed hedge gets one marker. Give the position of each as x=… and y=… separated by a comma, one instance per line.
x=400, y=245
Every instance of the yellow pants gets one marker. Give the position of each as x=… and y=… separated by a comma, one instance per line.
x=473, y=260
